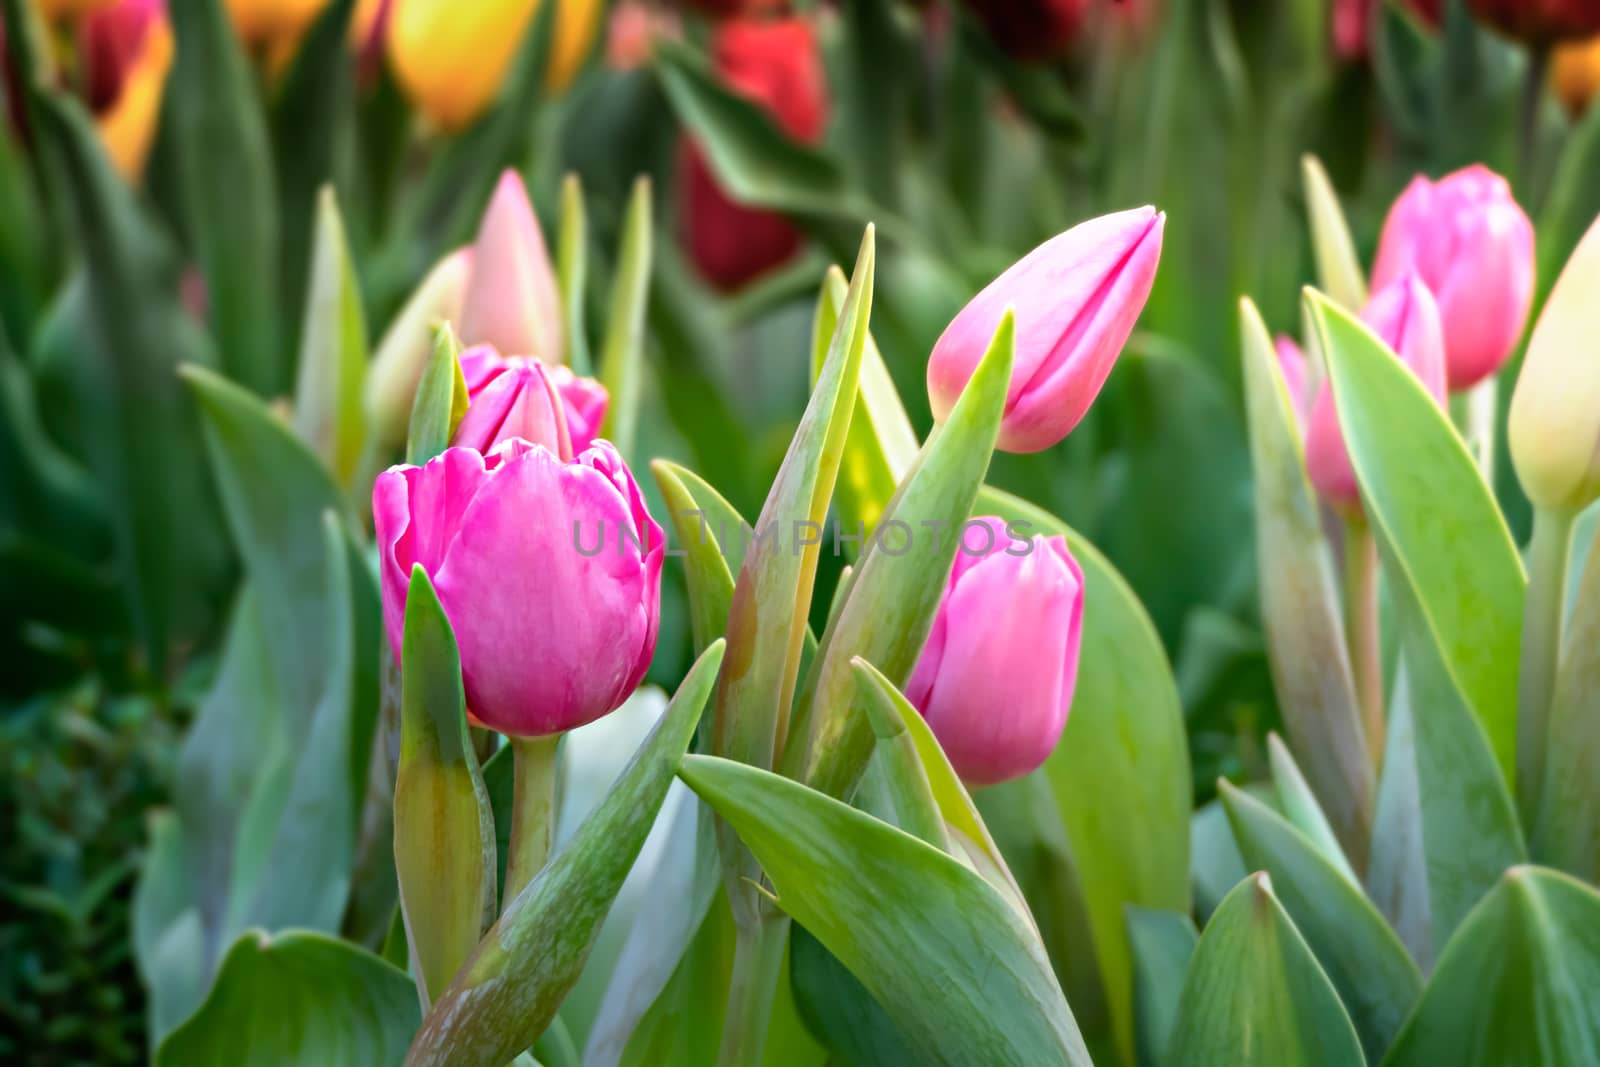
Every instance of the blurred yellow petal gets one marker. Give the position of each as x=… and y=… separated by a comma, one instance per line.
x=1576, y=73
x=128, y=126
x=60, y=10
x=451, y=57
x=273, y=23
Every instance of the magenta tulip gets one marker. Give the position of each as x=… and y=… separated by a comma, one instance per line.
x=1076, y=298
x=512, y=398
x=1473, y=246
x=550, y=573
x=1406, y=318
x=995, y=679
x=512, y=301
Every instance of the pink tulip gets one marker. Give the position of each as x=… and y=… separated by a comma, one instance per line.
x=1473, y=246
x=1076, y=298
x=512, y=300
x=550, y=573
x=510, y=397
x=995, y=679
x=1406, y=318
x=1292, y=361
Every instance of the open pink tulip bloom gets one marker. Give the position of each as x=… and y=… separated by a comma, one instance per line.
x=550, y=573
x=995, y=679
x=1406, y=318
x=1076, y=298
x=509, y=398
x=1473, y=247
x=512, y=301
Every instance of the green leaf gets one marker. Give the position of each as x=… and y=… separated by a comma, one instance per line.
x=507, y=993
x=622, y=355
x=882, y=445
x=1300, y=602
x=441, y=400
x=298, y=997
x=444, y=833
x=141, y=438
x=1163, y=943
x=572, y=257
x=1338, y=267
x=1299, y=805
x=1566, y=830
x=1366, y=962
x=1218, y=867
x=957, y=967
x=228, y=192
x=168, y=934
x=1123, y=760
x=312, y=121
x=1516, y=984
x=1571, y=203
x=837, y=1008
x=706, y=568
x=772, y=596
x=1444, y=541
x=1397, y=876
x=895, y=592
x=1255, y=995
x=329, y=414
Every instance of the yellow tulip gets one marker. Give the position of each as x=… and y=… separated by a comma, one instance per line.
x=1576, y=73
x=451, y=57
x=1554, y=428
x=61, y=10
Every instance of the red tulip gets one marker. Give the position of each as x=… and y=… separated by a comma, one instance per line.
x=1540, y=21
x=776, y=64
x=1032, y=30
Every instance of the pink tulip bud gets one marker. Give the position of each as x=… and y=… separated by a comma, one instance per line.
x=1473, y=246
x=550, y=573
x=520, y=397
x=512, y=301
x=1292, y=361
x=1076, y=298
x=995, y=679
x=1406, y=318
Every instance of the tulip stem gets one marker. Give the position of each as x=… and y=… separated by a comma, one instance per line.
x=757, y=965
x=1541, y=646
x=1361, y=630
x=1533, y=86
x=533, y=810
x=1482, y=402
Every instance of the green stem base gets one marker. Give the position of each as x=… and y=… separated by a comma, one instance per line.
x=533, y=810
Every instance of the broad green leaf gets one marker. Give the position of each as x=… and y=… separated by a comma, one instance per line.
x=168, y=935
x=1338, y=267
x=753, y=159
x=1470, y=832
x=1397, y=875
x=312, y=124
x=1566, y=831
x=837, y=1008
x=896, y=588
x=916, y=811
x=329, y=414
x=572, y=270
x=1163, y=943
x=1255, y=995
x=229, y=192
x=882, y=445
x=1406, y=61
x=141, y=439
x=509, y=990
x=1300, y=602
x=1123, y=760
x=1366, y=962
x=444, y=833
x=298, y=997
x=772, y=595
x=954, y=965
x=1218, y=867
x=622, y=354
x=1443, y=539
x=1299, y=805
x=1516, y=984
x=441, y=400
